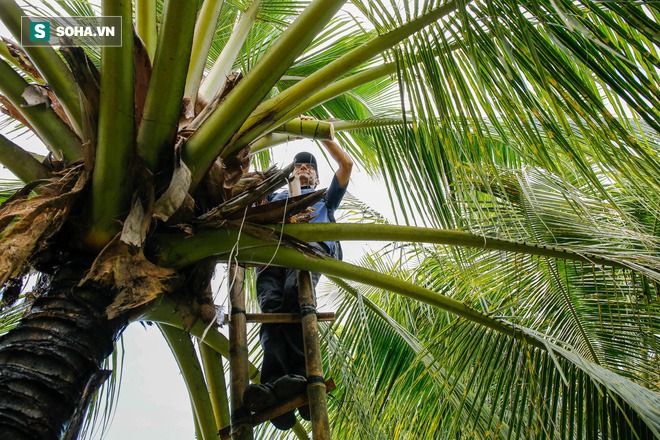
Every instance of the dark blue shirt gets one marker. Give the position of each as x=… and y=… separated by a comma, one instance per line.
x=324, y=210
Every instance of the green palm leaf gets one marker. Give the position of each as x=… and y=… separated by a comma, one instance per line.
x=465, y=367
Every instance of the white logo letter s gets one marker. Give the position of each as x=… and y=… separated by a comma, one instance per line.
x=40, y=31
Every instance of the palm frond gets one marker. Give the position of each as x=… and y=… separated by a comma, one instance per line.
x=500, y=386
x=528, y=94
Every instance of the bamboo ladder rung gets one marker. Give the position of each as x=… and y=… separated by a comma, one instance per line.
x=281, y=318
x=276, y=410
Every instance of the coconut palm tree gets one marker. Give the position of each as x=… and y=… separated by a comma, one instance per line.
x=519, y=143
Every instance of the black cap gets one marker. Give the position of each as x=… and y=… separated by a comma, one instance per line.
x=306, y=158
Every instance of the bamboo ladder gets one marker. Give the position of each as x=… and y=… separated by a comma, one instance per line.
x=242, y=421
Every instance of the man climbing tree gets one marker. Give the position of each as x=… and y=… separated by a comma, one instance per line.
x=283, y=367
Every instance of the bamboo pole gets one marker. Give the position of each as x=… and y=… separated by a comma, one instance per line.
x=278, y=409
x=316, y=389
x=288, y=405
x=281, y=318
x=238, y=354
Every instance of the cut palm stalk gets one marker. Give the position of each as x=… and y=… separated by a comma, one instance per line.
x=276, y=137
x=162, y=108
x=293, y=130
x=308, y=128
x=55, y=133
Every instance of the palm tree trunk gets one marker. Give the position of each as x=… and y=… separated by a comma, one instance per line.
x=48, y=360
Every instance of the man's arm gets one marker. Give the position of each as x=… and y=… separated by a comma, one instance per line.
x=344, y=161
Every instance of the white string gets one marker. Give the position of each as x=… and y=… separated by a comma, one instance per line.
x=279, y=240
x=231, y=283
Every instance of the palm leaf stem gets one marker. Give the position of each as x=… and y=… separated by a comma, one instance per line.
x=162, y=107
x=222, y=66
x=206, y=243
x=208, y=141
x=55, y=133
x=115, y=145
x=179, y=252
x=145, y=19
x=272, y=112
x=253, y=251
x=20, y=162
x=56, y=73
x=166, y=311
x=342, y=86
x=202, y=40
x=215, y=378
x=575, y=317
x=191, y=370
x=198, y=431
x=414, y=234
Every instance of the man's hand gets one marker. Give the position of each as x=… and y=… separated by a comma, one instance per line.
x=340, y=156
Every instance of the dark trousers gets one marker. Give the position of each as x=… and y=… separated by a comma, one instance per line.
x=282, y=344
